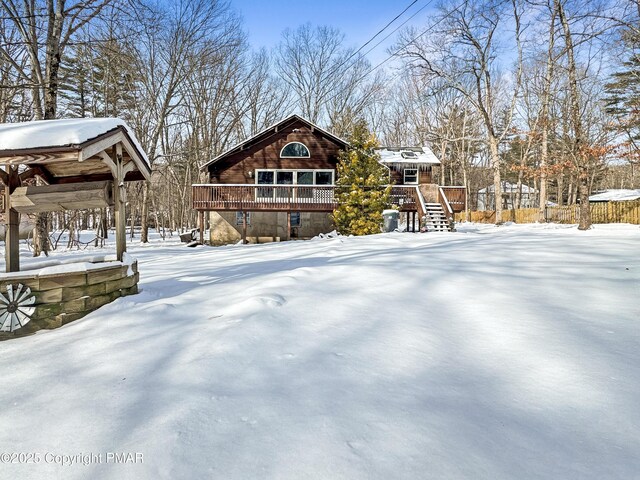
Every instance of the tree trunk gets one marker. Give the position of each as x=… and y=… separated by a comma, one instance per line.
x=585, y=211
x=579, y=147
x=144, y=214
x=560, y=199
x=497, y=181
x=546, y=98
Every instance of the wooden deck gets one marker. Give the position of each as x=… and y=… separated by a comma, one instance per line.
x=278, y=198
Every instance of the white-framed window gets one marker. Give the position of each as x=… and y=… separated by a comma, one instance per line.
x=239, y=218
x=306, y=181
x=294, y=177
x=410, y=176
x=295, y=150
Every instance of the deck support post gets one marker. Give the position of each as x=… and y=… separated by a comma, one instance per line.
x=201, y=225
x=244, y=227
x=12, y=232
x=120, y=206
x=288, y=225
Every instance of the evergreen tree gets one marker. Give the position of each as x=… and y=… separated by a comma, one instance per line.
x=623, y=102
x=363, y=189
x=98, y=80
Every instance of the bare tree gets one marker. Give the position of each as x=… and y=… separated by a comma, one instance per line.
x=15, y=81
x=169, y=49
x=46, y=27
x=330, y=83
x=463, y=52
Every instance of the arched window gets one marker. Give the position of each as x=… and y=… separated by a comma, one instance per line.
x=294, y=150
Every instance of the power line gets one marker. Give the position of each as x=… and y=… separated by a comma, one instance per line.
x=398, y=50
x=336, y=68
x=387, y=26
x=399, y=26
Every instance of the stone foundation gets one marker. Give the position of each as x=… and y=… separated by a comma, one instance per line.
x=266, y=227
x=64, y=297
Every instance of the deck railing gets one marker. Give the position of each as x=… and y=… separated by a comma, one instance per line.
x=318, y=198
x=405, y=197
x=263, y=197
x=456, y=197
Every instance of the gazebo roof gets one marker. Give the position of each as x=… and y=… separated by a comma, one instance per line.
x=72, y=150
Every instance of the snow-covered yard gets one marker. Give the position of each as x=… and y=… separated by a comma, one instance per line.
x=491, y=353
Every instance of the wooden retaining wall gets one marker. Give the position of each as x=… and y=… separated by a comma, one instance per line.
x=601, y=212
x=64, y=297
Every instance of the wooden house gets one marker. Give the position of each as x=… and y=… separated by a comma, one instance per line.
x=279, y=184
x=510, y=192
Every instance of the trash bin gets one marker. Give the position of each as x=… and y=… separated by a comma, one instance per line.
x=390, y=218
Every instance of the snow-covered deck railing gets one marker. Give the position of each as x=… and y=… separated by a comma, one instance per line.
x=310, y=198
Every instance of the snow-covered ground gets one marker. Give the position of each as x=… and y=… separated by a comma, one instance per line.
x=493, y=353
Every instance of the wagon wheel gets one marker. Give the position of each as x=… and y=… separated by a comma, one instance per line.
x=15, y=311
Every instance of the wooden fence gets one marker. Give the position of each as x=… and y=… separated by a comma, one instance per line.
x=601, y=212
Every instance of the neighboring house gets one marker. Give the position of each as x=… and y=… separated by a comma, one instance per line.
x=280, y=183
x=615, y=195
x=528, y=196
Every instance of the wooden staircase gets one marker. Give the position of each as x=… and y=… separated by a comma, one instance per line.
x=435, y=219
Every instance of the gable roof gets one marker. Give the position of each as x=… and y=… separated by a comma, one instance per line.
x=270, y=131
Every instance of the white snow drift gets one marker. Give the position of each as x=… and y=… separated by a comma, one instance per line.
x=493, y=353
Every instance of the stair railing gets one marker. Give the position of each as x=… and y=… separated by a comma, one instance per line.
x=442, y=198
x=423, y=205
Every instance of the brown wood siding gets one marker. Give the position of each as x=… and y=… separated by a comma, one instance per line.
x=425, y=176
x=397, y=176
x=266, y=154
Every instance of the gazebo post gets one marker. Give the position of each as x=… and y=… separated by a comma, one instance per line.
x=119, y=208
x=12, y=232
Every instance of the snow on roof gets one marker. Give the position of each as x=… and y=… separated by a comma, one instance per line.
x=60, y=133
x=407, y=155
x=619, y=195
x=508, y=187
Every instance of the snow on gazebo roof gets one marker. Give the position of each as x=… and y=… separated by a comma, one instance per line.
x=74, y=149
x=407, y=156
x=618, y=195
x=70, y=132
